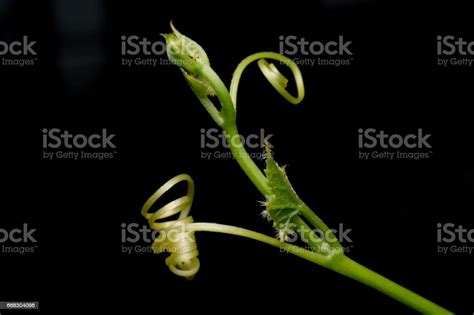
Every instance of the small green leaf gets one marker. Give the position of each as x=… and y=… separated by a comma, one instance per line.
x=282, y=203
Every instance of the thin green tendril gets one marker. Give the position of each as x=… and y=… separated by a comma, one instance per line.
x=272, y=74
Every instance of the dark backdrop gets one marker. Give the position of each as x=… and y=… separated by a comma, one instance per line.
x=392, y=207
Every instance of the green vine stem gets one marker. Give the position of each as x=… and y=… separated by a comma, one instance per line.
x=179, y=240
x=283, y=205
x=206, y=74
x=339, y=263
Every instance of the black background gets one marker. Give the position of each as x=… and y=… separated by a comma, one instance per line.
x=392, y=206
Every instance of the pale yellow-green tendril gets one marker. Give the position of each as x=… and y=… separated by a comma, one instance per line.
x=177, y=236
x=271, y=73
x=174, y=234
x=195, y=66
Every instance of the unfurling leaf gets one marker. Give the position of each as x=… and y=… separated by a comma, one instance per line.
x=282, y=203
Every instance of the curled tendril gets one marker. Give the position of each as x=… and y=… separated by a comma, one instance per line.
x=194, y=64
x=175, y=237
x=272, y=74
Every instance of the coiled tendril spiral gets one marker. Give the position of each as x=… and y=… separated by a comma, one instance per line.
x=272, y=74
x=174, y=237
